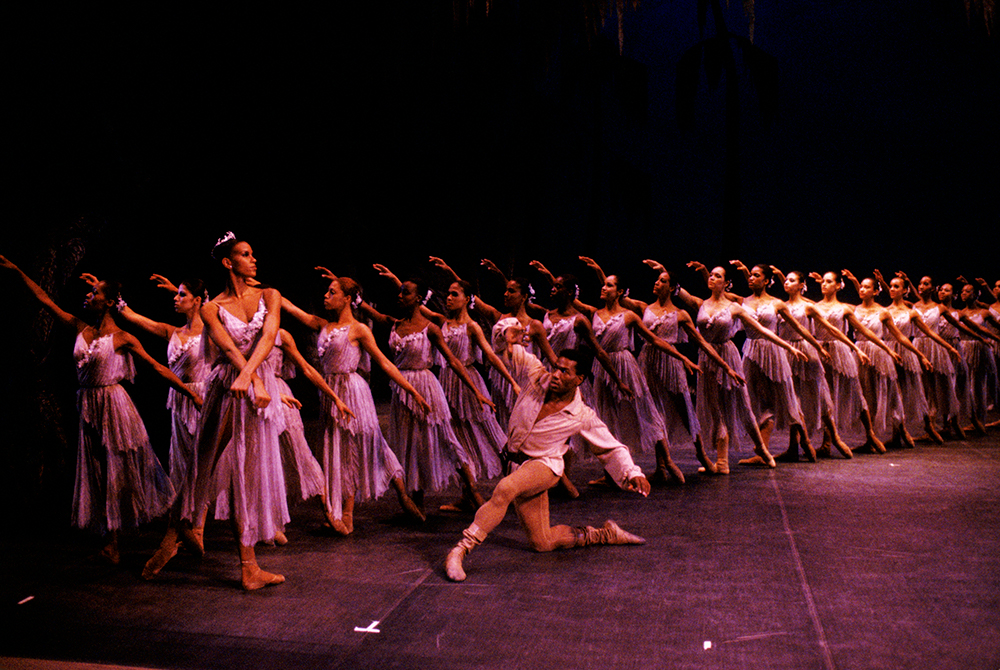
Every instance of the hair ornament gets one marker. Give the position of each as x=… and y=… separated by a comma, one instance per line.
x=531, y=291
x=120, y=304
x=427, y=297
x=472, y=302
x=677, y=289
x=229, y=236
x=356, y=302
x=576, y=293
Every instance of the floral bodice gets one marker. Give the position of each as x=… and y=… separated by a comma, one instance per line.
x=613, y=335
x=413, y=351
x=666, y=326
x=98, y=364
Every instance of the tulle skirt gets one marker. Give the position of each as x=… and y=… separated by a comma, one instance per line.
x=635, y=421
x=238, y=460
x=770, y=384
x=667, y=381
x=184, y=417
x=303, y=474
x=845, y=387
x=979, y=359
x=724, y=405
x=119, y=481
x=939, y=384
x=475, y=426
x=811, y=386
x=357, y=461
x=880, y=384
x=911, y=386
x=426, y=445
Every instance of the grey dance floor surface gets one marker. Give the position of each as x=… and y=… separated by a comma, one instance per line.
x=888, y=561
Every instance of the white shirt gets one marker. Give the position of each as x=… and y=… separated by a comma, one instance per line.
x=546, y=440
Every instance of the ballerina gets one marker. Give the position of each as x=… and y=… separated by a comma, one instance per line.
x=475, y=427
x=358, y=464
x=303, y=474
x=939, y=383
x=724, y=404
x=516, y=300
x=568, y=326
x=237, y=448
x=665, y=375
x=880, y=380
x=911, y=385
x=811, y=385
x=633, y=418
x=119, y=482
x=842, y=371
x=768, y=371
x=951, y=334
x=429, y=448
x=976, y=354
x=186, y=360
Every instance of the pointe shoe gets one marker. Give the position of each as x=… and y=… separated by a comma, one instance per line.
x=876, y=444
x=722, y=464
x=167, y=550
x=707, y=466
x=906, y=440
x=753, y=460
x=824, y=451
x=411, y=509
x=956, y=428
x=843, y=449
x=766, y=457
x=254, y=578
x=280, y=539
x=790, y=455
x=932, y=433
x=109, y=554
x=193, y=540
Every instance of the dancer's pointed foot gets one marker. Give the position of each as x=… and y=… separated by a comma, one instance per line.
x=824, y=451
x=707, y=466
x=934, y=435
x=766, y=457
x=411, y=509
x=753, y=460
x=843, y=448
x=280, y=539
x=254, y=578
x=167, y=550
x=109, y=554
x=193, y=540
x=956, y=429
x=906, y=440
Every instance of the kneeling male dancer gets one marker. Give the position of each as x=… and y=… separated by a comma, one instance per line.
x=547, y=413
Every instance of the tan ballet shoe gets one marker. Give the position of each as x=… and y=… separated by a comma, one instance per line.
x=254, y=578
x=167, y=550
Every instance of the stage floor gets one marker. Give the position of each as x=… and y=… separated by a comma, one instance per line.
x=888, y=561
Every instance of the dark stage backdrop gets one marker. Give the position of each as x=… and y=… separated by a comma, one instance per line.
x=388, y=132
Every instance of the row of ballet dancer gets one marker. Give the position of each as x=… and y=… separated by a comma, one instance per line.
x=237, y=439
